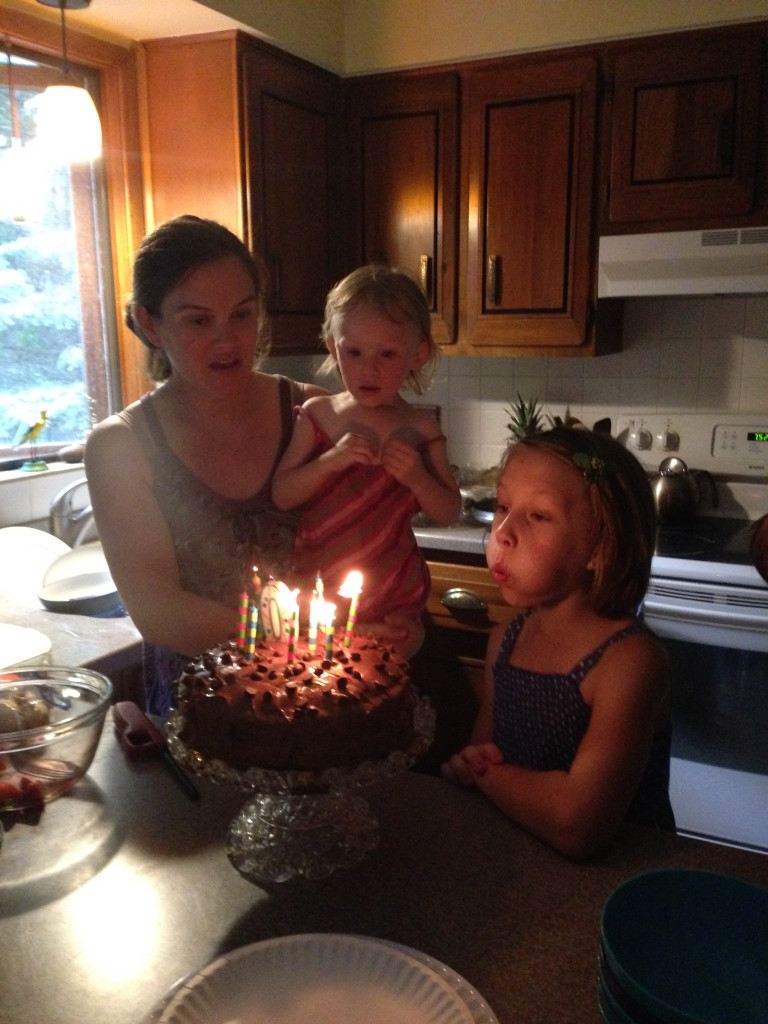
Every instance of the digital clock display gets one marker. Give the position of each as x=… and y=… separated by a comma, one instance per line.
x=757, y=435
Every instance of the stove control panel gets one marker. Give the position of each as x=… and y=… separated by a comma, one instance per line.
x=749, y=442
x=729, y=444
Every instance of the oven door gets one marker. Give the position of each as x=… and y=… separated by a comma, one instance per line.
x=717, y=638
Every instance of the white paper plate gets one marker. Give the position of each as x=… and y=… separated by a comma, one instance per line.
x=21, y=646
x=25, y=555
x=322, y=978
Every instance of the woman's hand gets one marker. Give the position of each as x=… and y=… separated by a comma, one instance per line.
x=404, y=634
x=471, y=763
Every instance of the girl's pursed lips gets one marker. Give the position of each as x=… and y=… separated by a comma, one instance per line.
x=498, y=573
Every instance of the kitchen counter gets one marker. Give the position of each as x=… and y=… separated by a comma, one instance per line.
x=124, y=887
x=107, y=645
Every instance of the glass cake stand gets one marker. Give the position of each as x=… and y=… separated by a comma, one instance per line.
x=303, y=824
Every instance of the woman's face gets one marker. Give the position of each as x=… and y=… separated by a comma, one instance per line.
x=544, y=534
x=209, y=324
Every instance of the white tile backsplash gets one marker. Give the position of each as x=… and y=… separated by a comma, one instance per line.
x=680, y=354
x=688, y=354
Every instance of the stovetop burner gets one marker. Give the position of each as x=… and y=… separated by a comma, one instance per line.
x=707, y=539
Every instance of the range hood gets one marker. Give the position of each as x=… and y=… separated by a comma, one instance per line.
x=684, y=263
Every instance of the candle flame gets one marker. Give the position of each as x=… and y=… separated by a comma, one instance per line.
x=352, y=585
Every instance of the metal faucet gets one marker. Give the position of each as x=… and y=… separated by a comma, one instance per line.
x=68, y=522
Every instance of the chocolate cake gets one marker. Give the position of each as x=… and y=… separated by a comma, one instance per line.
x=297, y=709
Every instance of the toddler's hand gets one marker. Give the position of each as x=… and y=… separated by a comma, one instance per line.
x=402, y=461
x=353, y=449
x=466, y=767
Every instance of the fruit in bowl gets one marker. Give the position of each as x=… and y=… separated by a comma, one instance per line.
x=51, y=720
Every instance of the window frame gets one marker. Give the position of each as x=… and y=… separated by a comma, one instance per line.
x=117, y=100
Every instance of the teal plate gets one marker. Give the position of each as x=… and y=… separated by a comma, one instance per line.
x=689, y=947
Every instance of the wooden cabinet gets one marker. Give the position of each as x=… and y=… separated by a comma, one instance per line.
x=684, y=132
x=449, y=668
x=402, y=135
x=520, y=180
x=528, y=207
x=243, y=133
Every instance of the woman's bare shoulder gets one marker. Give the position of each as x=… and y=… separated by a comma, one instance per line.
x=113, y=439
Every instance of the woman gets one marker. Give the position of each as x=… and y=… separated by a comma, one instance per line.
x=180, y=481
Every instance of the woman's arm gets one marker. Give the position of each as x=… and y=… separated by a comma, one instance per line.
x=579, y=811
x=139, y=549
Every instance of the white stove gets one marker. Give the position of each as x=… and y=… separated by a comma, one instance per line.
x=709, y=606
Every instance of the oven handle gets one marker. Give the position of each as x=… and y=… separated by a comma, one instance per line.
x=742, y=620
x=706, y=615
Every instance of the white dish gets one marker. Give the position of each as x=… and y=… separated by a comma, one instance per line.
x=25, y=555
x=21, y=646
x=476, y=1004
x=323, y=978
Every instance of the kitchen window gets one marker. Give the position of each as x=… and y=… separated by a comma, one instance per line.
x=58, y=335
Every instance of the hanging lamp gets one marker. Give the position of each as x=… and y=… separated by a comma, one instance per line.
x=67, y=122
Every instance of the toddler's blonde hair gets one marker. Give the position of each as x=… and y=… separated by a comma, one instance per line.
x=392, y=292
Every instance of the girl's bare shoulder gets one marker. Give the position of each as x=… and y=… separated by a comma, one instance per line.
x=424, y=419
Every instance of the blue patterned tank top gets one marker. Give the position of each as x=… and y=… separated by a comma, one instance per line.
x=540, y=719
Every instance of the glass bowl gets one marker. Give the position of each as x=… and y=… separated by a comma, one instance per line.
x=51, y=720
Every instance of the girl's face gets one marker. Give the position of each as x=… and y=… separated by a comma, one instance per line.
x=208, y=324
x=544, y=533
x=376, y=354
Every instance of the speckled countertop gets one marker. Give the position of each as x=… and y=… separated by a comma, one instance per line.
x=124, y=887
x=79, y=640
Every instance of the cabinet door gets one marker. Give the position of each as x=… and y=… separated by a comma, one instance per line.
x=403, y=148
x=684, y=132
x=293, y=116
x=530, y=142
x=192, y=129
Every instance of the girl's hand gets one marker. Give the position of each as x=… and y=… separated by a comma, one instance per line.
x=466, y=767
x=402, y=461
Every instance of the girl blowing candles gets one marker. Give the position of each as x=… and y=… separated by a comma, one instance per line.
x=361, y=463
x=572, y=736
x=180, y=489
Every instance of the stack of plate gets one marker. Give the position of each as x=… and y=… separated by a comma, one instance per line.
x=684, y=947
x=325, y=979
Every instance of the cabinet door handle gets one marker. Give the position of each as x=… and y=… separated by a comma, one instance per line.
x=458, y=599
x=425, y=279
x=492, y=275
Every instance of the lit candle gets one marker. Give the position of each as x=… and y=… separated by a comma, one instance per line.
x=351, y=587
x=252, y=629
x=293, y=624
x=256, y=584
x=319, y=589
x=315, y=606
x=328, y=619
x=242, y=620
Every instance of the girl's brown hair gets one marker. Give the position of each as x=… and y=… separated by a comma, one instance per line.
x=389, y=291
x=622, y=502
x=166, y=256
